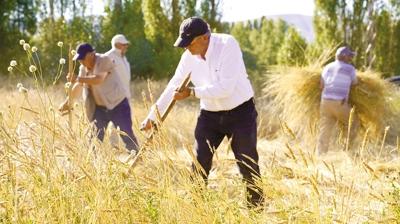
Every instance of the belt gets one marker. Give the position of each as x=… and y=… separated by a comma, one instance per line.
x=342, y=101
x=238, y=108
x=106, y=109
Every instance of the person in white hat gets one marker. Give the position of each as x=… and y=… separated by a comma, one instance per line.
x=119, y=47
x=336, y=81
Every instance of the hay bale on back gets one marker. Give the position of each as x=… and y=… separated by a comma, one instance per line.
x=295, y=95
x=371, y=100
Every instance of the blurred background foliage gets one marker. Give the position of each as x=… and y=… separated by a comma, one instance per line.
x=370, y=27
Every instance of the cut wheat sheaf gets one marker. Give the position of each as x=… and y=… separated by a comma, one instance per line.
x=296, y=95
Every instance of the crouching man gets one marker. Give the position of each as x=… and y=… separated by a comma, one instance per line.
x=104, y=94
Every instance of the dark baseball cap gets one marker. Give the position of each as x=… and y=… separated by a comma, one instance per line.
x=82, y=50
x=190, y=28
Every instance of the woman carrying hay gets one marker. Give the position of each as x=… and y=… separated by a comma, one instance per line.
x=336, y=81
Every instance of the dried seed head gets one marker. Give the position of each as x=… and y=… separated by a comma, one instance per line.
x=26, y=46
x=67, y=85
x=23, y=90
x=32, y=68
x=13, y=63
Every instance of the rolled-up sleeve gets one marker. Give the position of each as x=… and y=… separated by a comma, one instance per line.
x=231, y=66
x=82, y=71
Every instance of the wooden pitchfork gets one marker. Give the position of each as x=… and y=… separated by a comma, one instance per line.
x=171, y=104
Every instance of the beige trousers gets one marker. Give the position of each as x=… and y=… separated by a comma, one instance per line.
x=331, y=112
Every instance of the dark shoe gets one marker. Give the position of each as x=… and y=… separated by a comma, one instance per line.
x=255, y=199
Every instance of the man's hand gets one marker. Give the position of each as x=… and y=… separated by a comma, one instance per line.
x=79, y=80
x=182, y=94
x=147, y=125
x=69, y=76
x=64, y=107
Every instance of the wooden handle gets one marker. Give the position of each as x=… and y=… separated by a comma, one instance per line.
x=71, y=74
x=70, y=64
x=171, y=104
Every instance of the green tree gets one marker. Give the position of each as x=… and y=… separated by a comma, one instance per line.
x=210, y=12
x=367, y=26
x=292, y=50
x=261, y=42
x=267, y=41
x=158, y=31
x=241, y=32
x=189, y=8
x=357, y=27
x=176, y=17
x=326, y=23
x=127, y=19
x=17, y=21
x=382, y=57
x=74, y=31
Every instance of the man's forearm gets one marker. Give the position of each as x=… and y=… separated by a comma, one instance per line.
x=76, y=90
x=90, y=80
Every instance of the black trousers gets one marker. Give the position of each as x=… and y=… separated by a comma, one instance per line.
x=240, y=126
x=121, y=117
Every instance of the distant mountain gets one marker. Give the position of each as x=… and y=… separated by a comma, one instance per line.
x=301, y=22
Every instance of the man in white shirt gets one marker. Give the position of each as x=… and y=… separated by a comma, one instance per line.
x=336, y=81
x=119, y=47
x=226, y=100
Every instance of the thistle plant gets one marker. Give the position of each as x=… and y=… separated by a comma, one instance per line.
x=61, y=63
x=53, y=173
x=34, y=70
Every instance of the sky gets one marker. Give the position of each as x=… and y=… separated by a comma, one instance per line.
x=238, y=10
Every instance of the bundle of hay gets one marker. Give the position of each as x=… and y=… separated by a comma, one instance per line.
x=295, y=95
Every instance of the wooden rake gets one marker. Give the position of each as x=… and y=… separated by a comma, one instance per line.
x=162, y=118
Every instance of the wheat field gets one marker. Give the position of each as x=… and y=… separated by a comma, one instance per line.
x=51, y=171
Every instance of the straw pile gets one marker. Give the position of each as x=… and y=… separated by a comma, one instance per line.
x=295, y=95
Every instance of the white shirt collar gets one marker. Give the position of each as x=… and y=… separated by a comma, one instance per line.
x=210, y=47
x=117, y=51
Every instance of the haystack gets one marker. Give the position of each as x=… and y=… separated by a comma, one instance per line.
x=295, y=96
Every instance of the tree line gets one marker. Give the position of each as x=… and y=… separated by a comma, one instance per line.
x=370, y=27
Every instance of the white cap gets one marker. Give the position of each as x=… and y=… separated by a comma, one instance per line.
x=119, y=38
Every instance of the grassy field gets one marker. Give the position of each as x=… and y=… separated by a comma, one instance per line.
x=51, y=172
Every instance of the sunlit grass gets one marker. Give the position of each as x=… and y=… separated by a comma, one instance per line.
x=53, y=170
x=54, y=173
